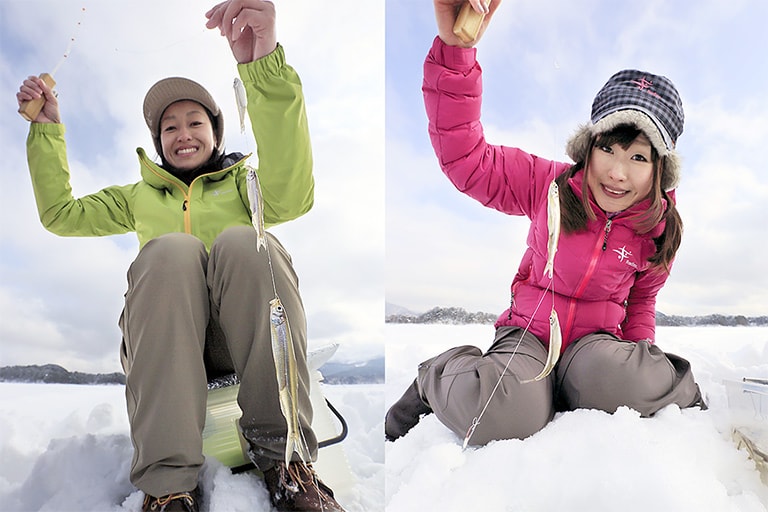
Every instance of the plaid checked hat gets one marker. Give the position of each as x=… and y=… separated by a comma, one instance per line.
x=170, y=90
x=649, y=102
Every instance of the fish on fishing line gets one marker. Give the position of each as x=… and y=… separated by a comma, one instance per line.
x=287, y=379
x=257, y=207
x=283, y=354
x=555, y=334
x=553, y=352
x=242, y=102
x=553, y=226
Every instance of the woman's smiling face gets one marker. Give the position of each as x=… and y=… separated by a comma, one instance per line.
x=186, y=135
x=619, y=177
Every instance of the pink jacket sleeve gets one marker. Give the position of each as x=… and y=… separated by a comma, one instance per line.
x=506, y=179
x=640, y=322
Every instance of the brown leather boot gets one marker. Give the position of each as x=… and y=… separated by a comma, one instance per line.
x=297, y=487
x=176, y=502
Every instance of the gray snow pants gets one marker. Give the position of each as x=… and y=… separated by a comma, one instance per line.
x=188, y=317
x=598, y=371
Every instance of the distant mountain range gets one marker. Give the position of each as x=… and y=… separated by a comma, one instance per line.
x=367, y=372
x=55, y=374
x=439, y=315
x=442, y=316
x=715, y=319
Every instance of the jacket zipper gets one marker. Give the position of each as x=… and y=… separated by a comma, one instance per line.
x=607, y=230
x=187, y=218
x=600, y=247
x=186, y=207
x=187, y=203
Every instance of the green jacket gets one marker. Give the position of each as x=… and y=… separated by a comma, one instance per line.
x=161, y=203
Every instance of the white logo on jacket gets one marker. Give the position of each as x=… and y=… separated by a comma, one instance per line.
x=218, y=192
x=624, y=255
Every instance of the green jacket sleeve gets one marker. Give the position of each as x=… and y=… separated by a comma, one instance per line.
x=279, y=121
x=106, y=212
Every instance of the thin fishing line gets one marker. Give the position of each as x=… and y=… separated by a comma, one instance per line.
x=557, y=242
x=269, y=262
x=302, y=436
x=70, y=44
x=550, y=287
x=132, y=50
x=476, y=420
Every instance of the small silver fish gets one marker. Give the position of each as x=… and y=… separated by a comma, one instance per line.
x=555, y=344
x=553, y=226
x=257, y=207
x=287, y=378
x=242, y=102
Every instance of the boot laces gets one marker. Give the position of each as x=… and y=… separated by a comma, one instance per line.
x=159, y=504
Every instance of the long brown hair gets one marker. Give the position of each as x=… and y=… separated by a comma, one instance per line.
x=576, y=212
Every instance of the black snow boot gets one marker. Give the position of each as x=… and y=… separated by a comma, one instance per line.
x=405, y=413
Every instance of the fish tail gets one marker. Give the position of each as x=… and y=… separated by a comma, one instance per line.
x=261, y=242
x=293, y=444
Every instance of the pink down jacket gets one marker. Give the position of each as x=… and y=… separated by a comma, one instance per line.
x=602, y=280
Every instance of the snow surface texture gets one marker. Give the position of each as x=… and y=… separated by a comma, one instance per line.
x=584, y=460
x=66, y=448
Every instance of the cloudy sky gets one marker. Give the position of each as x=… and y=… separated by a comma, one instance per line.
x=543, y=62
x=60, y=298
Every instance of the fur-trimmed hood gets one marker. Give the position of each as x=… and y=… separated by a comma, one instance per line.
x=579, y=144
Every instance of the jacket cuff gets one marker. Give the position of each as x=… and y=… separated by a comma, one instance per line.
x=270, y=64
x=453, y=57
x=46, y=129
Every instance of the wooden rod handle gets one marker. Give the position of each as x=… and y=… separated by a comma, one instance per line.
x=468, y=23
x=29, y=110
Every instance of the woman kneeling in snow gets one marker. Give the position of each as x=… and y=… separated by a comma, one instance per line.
x=620, y=232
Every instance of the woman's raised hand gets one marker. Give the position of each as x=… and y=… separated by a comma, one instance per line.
x=248, y=25
x=446, y=12
x=33, y=88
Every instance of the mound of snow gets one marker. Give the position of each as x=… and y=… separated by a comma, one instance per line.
x=584, y=460
x=66, y=448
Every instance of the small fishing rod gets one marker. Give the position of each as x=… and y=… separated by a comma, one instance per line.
x=29, y=110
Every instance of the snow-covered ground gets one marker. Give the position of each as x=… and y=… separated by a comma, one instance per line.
x=583, y=460
x=66, y=448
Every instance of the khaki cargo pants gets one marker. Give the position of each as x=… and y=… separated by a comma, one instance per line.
x=188, y=317
x=598, y=371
